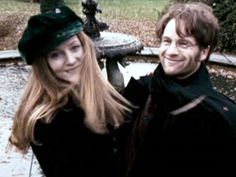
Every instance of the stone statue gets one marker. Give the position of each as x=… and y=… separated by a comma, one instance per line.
x=92, y=26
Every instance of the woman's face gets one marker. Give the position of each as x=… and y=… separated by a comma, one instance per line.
x=65, y=60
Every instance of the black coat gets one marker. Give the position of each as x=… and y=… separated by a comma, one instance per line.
x=187, y=128
x=67, y=148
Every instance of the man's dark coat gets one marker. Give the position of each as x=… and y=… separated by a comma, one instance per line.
x=185, y=128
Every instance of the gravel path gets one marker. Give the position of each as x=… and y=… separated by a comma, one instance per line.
x=12, y=164
x=12, y=81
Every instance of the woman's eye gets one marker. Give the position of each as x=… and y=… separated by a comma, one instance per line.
x=54, y=55
x=76, y=47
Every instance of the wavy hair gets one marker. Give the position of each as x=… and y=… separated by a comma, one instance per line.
x=198, y=21
x=45, y=94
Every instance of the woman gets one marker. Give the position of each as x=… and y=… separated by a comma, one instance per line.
x=69, y=113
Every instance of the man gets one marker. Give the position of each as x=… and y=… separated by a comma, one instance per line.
x=183, y=127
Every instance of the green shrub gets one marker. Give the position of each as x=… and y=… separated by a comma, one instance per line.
x=225, y=11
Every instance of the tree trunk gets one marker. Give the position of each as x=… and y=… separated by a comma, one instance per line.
x=35, y=1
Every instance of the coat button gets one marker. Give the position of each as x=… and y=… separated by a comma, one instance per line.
x=115, y=150
x=114, y=139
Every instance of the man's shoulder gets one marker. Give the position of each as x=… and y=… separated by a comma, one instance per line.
x=137, y=91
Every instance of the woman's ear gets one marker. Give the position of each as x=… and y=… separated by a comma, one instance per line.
x=205, y=53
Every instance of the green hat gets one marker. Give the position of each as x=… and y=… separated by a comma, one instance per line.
x=47, y=30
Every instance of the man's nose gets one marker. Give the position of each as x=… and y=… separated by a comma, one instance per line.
x=172, y=49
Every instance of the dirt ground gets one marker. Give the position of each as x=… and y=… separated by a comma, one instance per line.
x=224, y=79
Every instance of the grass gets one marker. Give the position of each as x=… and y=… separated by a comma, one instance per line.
x=111, y=9
x=15, y=6
x=132, y=9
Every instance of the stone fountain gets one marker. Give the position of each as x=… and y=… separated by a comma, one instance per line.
x=112, y=47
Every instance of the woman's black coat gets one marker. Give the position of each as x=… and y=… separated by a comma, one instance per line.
x=185, y=129
x=67, y=148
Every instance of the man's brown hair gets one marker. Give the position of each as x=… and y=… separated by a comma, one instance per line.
x=198, y=21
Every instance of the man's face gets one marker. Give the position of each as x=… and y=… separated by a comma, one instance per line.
x=180, y=56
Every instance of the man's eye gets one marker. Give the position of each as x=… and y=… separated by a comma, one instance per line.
x=165, y=42
x=183, y=44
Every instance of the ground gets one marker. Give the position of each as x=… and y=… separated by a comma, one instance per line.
x=224, y=79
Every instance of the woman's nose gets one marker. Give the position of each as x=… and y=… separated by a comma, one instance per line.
x=70, y=58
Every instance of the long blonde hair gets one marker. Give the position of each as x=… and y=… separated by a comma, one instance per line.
x=44, y=95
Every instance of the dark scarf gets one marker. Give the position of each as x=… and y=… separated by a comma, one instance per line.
x=195, y=86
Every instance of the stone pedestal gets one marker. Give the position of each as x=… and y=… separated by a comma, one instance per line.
x=113, y=47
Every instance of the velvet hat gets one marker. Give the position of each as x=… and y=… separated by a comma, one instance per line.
x=48, y=30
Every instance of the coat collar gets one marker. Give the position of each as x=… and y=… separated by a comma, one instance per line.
x=196, y=86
